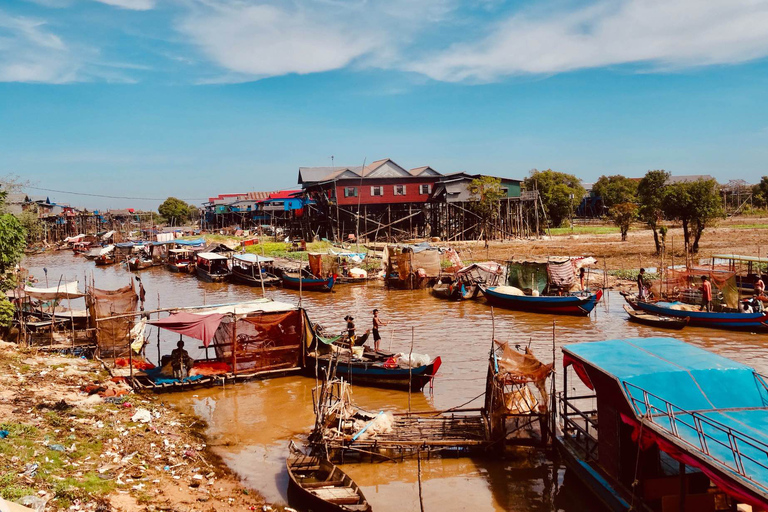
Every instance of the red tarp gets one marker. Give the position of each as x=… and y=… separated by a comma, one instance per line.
x=201, y=327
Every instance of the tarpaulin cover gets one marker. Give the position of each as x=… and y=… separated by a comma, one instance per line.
x=527, y=275
x=726, y=396
x=63, y=291
x=561, y=274
x=200, y=327
x=189, y=243
x=323, y=265
x=113, y=336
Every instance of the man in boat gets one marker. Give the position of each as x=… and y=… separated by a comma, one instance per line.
x=641, y=284
x=350, y=329
x=377, y=322
x=181, y=362
x=759, y=287
x=706, y=294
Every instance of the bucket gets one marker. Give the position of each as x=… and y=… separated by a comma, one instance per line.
x=358, y=352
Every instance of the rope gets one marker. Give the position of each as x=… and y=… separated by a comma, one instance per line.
x=635, y=481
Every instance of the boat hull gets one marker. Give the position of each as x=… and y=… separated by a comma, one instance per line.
x=303, y=498
x=309, y=284
x=754, y=322
x=560, y=305
x=269, y=280
x=203, y=275
x=364, y=373
x=655, y=320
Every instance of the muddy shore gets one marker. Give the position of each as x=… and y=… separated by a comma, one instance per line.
x=71, y=439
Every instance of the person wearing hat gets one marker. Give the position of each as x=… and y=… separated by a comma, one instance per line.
x=350, y=329
x=181, y=362
x=706, y=294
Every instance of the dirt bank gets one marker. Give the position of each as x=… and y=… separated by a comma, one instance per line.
x=72, y=439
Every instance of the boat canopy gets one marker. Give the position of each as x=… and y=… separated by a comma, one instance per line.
x=199, y=241
x=211, y=256
x=253, y=258
x=703, y=409
x=180, y=251
x=63, y=291
x=736, y=257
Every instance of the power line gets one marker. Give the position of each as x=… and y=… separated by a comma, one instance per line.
x=112, y=197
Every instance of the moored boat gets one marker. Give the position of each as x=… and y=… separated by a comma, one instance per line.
x=572, y=304
x=250, y=269
x=180, y=260
x=665, y=322
x=139, y=262
x=320, y=486
x=105, y=256
x=730, y=320
x=212, y=267
x=294, y=281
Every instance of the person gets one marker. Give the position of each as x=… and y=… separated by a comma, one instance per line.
x=759, y=287
x=706, y=294
x=581, y=277
x=181, y=362
x=377, y=322
x=641, y=284
x=350, y=329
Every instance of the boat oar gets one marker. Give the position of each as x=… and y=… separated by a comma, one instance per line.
x=354, y=437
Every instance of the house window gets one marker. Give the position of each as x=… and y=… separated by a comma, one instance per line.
x=350, y=191
x=377, y=191
x=399, y=190
x=425, y=189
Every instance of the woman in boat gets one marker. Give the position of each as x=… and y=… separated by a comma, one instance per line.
x=350, y=329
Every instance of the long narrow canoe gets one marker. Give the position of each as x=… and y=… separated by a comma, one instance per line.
x=291, y=280
x=753, y=322
x=374, y=372
x=665, y=322
x=560, y=304
x=318, y=485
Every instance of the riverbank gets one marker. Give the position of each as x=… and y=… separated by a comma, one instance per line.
x=74, y=440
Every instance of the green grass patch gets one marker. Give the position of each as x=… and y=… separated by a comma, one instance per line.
x=632, y=274
x=749, y=226
x=585, y=230
x=11, y=490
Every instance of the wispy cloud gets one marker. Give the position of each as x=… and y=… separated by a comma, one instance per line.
x=657, y=34
x=134, y=5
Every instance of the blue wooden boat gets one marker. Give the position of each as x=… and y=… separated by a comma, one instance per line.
x=373, y=370
x=312, y=284
x=733, y=321
x=664, y=421
x=575, y=304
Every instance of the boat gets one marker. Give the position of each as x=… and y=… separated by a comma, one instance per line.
x=320, y=486
x=212, y=267
x=729, y=320
x=313, y=284
x=250, y=269
x=374, y=369
x=140, y=262
x=105, y=256
x=579, y=303
x=81, y=247
x=665, y=322
x=180, y=260
x=662, y=425
x=465, y=283
x=745, y=278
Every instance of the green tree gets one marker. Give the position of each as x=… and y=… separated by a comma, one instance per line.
x=615, y=190
x=31, y=224
x=622, y=215
x=485, y=194
x=175, y=211
x=560, y=193
x=650, y=193
x=760, y=193
x=696, y=204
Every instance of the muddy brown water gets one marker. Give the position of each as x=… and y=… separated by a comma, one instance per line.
x=251, y=424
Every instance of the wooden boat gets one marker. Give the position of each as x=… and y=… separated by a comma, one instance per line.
x=81, y=247
x=320, y=486
x=375, y=369
x=664, y=322
x=455, y=290
x=212, y=267
x=560, y=304
x=733, y=321
x=106, y=256
x=250, y=269
x=311, y=284
x=180, y=260
x=139, y=262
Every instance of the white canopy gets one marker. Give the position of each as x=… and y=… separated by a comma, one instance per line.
x=62, y=291
x=245, y=308
x=74, y=238
x=107, y=235
x=105, y=250
x=211, y=256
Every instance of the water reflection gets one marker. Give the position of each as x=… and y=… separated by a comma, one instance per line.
x=250, y=424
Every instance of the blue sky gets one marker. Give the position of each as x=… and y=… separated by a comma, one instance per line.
x=151, y=98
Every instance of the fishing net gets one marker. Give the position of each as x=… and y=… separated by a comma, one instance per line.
x=685, y=285
x=113, y=336
x=517, y=368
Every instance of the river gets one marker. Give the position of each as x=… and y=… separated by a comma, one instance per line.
x=251, y=424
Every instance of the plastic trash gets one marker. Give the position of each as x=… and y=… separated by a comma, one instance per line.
x=4, y=434
x=142, y=416
x=30, y=469
x=57, y=447
x=34, y=502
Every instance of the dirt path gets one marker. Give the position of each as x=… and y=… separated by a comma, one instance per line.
x=72, y=439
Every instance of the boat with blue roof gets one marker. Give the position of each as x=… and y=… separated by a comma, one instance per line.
x=661, y=425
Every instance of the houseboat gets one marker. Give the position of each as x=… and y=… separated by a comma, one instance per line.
x=212, y=267
x=253, y=270
x=656, y=424
x=180, y=260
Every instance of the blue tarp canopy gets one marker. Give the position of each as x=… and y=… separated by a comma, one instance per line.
x=199, y=241
x=710, y=397
x=253, y=258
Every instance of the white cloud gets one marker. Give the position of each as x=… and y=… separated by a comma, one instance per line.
x=134, y=5
x=264, y=40
x=31, y=53
x=657, y=34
